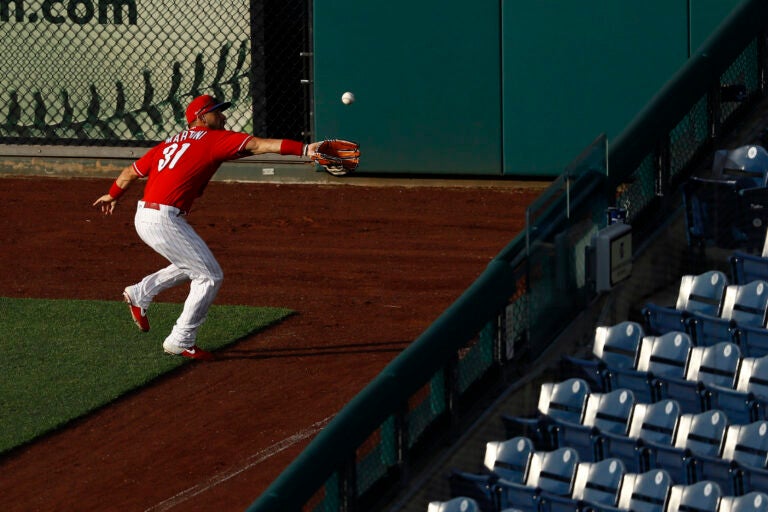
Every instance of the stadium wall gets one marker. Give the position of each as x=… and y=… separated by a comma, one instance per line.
x=494, y=88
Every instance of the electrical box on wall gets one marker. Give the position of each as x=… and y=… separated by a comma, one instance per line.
x=611, y=256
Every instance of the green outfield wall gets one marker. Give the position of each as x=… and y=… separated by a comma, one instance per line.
x=512, y=88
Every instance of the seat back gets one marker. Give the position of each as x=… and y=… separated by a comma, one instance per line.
x=552, y=471
x=609, y=412
x=616, y=345
x=715, y=364
x=509, y=459
x=655, y=422
x=459, y=504
x=702, y=293
x=665, y=355
x=699, y=497
x=645, y=492
x=702, y=433
x=746, y=304
x=747, y=444
x=750, y=502
x=563, y=400
x=753, y=376
x=598, y=482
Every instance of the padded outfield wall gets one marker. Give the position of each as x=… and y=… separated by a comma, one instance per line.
x=509, y=87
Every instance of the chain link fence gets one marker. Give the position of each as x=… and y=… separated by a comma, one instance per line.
x=121, y=72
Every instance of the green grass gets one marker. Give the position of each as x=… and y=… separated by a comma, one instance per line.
x=60, y=360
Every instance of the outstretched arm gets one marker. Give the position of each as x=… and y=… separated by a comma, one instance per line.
x=107, y=202
x=258, y=146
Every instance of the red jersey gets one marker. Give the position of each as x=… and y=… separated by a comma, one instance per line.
x=179, y=168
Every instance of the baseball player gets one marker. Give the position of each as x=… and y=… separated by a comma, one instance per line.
x=177, y=171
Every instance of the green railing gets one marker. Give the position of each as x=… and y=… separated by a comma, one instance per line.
x=366, y=450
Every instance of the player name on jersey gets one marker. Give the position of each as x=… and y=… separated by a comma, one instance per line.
x=186, y=134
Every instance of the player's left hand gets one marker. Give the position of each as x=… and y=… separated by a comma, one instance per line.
x=107, y=204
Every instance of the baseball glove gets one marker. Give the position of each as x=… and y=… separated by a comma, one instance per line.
x=337, y=156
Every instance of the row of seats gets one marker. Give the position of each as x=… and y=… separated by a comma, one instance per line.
x=710, y=310
x=643, y=435
x=702, y=497
x=669, y=366
x=727, y=209
x=521, y=478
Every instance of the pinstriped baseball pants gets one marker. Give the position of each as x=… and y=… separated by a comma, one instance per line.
x=171, y=236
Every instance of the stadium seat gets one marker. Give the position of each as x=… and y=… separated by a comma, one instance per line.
x=594, y=483
x=696, y=435
x=746, y=267
x=714, y=365
x=699, y=497
x=609, y=412
x=509, y=459
x=549, y=473
x=603, y=412
x=712, y=213
x=459, y=504
x=750, y=502
x=702, y=293
x=702, y=433
x=747, y=444
x=645, y=492
x=663, y=356
x=558, y=401
x=746, y=304
x=598, y=482
x=753, y=341
x=753, y=479
x=650, y=423
x=614, y=346
x=749, y=161
x=503, y=459
x=753, y=376
x=747, y=402
x=743, y=305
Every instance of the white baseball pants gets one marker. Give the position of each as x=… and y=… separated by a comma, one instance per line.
x=165, y=230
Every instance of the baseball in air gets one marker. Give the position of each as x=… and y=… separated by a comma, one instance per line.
x=347, y=98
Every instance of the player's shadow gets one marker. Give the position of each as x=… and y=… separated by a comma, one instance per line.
x=314, y=351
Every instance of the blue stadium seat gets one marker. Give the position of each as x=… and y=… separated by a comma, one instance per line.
x=614, y=346
x=650, y=423
x=549, y=473
x=747, y=402
x=746, y=267
x=749, y=161
x=699, y=497
x=712, y=217
x=747, y=445
x=665, y=355
x=753, y=376
x=743, y=305
x=752, y=340
x=658, y=357
x=503, y=459
x=598, y=482
x=750, y=502
x=702, y=293
x=645, y=492
x=714, y=365
x=459, y=504
x=558, y=402
x=696, y=435
x=609, y=412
